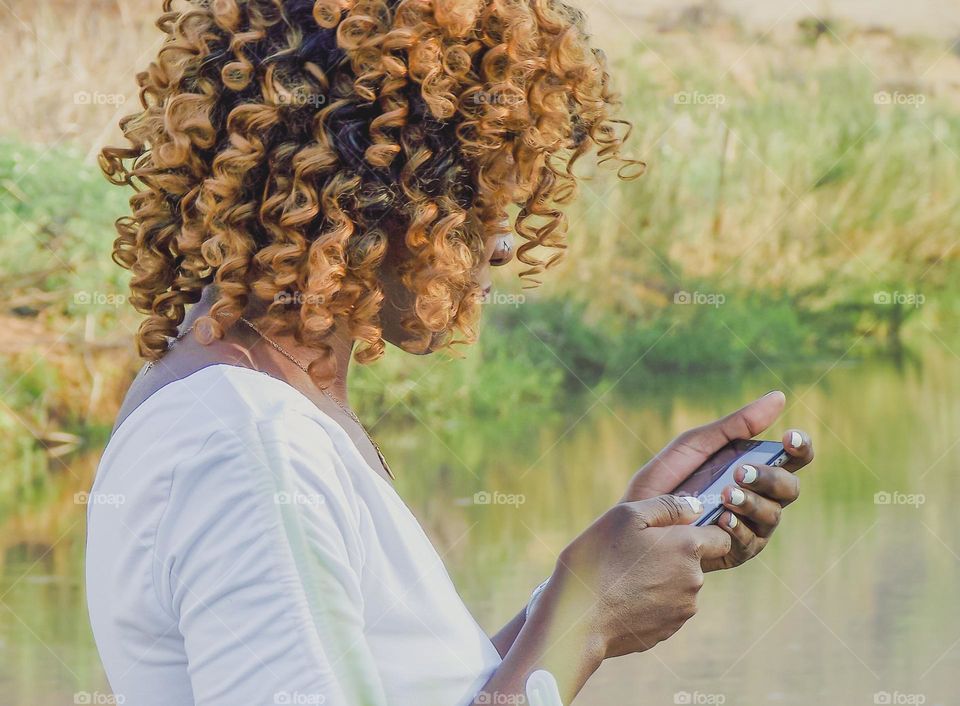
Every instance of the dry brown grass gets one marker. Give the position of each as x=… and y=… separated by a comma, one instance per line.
x=52, y=52
x=56, y=54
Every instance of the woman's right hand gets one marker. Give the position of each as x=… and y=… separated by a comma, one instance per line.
x=633, y=576
x=628, y=582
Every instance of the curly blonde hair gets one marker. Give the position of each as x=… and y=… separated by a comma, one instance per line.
x=282, y=142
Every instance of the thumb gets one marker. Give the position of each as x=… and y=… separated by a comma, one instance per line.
x=666, y=510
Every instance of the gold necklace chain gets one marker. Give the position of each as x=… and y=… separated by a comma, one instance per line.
x=293, y=359
x=346, y=410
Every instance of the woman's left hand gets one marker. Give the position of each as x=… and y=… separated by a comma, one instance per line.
x=754, y=505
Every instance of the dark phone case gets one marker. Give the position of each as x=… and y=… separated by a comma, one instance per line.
x=707, y=482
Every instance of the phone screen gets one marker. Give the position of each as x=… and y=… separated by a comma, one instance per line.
x=708, y=481
x=713, y=468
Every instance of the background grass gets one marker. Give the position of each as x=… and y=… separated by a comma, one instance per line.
x=796, y=183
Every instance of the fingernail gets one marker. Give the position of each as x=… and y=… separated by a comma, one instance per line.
x=694, y=503
x=732, y=521
x=737, y=496
x=771, y=392
x=796, y=439
x=749, y=474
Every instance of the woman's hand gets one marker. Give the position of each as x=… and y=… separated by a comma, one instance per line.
x=634, y=574
x=756, y=502
x=627, y=582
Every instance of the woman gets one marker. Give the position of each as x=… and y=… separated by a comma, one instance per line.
x=315, y=180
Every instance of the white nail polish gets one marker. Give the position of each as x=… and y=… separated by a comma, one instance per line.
x=796, y=439
x=694, y=503
x=749, y=474
x=733, y=521
x=737, y=496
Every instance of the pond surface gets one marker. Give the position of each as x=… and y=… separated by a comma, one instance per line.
x=853, y=603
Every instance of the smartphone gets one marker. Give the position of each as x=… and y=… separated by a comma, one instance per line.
x=707, y=482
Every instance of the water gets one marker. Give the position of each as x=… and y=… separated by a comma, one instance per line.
x=852, y=603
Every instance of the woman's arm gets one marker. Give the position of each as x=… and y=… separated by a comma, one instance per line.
x=263, y=617
x=258, y=619
x=559, y=637
x=265, y=594
x=628, y=582
x=769, y=490
x=505, y=637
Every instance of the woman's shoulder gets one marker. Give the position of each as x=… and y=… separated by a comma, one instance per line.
x=216, y=394
x=228, y=442
x=214, y=398
x=222, y=475
x=217, y=413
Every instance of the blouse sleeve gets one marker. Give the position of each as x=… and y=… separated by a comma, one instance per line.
x=258, y=563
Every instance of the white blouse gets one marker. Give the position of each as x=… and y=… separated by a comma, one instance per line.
x=241, y=552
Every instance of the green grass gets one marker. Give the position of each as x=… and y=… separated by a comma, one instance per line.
x=57, y=214
x=762, y=235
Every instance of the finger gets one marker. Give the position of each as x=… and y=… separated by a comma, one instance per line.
x=762, y=514
x=774, y=482
x=739, y=531
x=799, y=446
x=745, y=423
x=712, y=542
x=666, y=510
x=684, y=454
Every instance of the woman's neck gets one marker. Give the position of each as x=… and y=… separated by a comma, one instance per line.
x=342, y=347
x=340, y=344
